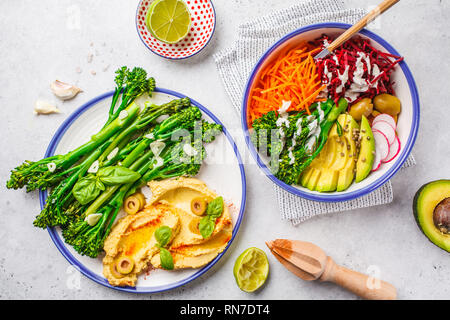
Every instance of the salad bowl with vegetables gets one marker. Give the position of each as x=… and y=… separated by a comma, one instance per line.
x=330, y=129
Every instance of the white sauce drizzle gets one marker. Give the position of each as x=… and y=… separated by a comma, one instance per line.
x=375, y=73
x=344, y=78
x=283, y=118
x=312, y=127
x=321, y=112
x=311, y=144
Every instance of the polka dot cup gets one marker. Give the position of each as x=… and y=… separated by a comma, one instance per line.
x=203, y=23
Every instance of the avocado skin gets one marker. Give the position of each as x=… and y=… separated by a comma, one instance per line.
x=418, y=213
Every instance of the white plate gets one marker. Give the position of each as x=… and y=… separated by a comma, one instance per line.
x=222, y=171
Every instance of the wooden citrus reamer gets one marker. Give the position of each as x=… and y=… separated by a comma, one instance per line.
x=385, y=5
x=309, y=262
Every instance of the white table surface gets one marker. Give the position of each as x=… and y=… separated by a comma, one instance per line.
x=40, y=44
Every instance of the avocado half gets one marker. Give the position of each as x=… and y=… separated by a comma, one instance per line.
x=431, y=209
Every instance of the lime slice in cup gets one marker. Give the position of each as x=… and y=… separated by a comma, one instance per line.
x=251, y=269
x=168, y=20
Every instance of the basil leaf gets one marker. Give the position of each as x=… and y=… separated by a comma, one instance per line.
x=117, y=175
x=206, y=226
x=166, y=259
x=100, y=184
x=162, y=235
x=87, y=189
x=215, y=208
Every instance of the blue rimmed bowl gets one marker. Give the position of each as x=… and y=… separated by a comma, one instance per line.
x=408, y=122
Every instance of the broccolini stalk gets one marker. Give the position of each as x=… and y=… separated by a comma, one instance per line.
x=131, y=84
x=39, y=174
x=147, y=117
x=60, y=197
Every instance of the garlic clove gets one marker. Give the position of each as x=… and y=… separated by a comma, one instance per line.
x=93, y=218
x=156, y=147
x=64, y=91
x=159, y=162
x=44, y=107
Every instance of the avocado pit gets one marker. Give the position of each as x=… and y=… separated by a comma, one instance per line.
x=441, y=216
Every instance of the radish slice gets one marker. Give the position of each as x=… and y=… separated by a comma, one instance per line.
x=386, y=118
x=386, y=129
x=382, y=147
x=394, y=150
x=376, y=162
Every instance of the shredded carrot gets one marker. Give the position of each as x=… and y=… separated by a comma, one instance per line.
x=292, y=76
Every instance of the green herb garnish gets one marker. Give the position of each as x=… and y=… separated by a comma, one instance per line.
x=88, y=188
x=208, y=222
x=162, y=236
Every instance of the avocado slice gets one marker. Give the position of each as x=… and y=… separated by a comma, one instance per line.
x=347, y=173
x=367, y=152
x=328, y=180
x=312, y=181
x=431, y=209
x=305, y=177
x=333, y=169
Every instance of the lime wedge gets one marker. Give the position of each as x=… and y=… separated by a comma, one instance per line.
x=168, y=20
x=251, y=269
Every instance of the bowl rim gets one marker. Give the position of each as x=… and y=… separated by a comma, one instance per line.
x=181, y=58
x=335, y=197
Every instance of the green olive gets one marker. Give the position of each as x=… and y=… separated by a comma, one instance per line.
x=114, y=271
x=363, y=107
x=134, y=203
x=198, y=206
x=386, y=103
x=124, y=265
x=193, y=226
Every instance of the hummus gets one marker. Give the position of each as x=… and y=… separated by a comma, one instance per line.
x=170, y=205
x=133, y=237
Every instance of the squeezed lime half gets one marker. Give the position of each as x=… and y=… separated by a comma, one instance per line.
x=251, y=269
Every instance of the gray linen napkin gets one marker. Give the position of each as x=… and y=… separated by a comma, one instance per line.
x=236, y=63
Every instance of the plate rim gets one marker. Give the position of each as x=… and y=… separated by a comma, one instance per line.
x=180, y=58
x=328, y=198
x=59, y=243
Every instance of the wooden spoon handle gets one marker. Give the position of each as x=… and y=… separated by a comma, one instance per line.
x=386, y=4
x=358, y=283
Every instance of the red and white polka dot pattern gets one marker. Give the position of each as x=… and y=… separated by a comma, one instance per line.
x=203, y=22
